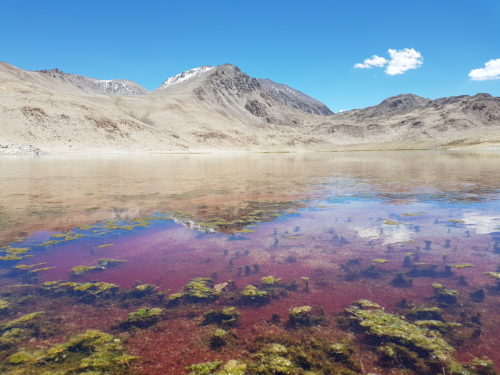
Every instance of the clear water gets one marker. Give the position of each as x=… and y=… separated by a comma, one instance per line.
x=347, y=221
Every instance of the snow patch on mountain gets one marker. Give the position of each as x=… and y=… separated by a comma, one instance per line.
x=184, y=76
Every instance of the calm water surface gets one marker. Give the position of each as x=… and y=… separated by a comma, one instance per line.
x=349, y=222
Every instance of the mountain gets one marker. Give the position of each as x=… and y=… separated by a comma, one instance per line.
x=222, y=108
x=96, y=86
x=188, y=74
x=389, y=107
x=293, y=98
x=226, y=85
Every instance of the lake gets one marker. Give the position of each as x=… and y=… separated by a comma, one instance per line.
x=251, y=263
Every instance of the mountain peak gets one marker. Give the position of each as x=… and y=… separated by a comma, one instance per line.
x=188, y=74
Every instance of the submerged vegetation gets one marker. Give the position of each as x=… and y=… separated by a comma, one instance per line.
x=243, y=298
x=92, y=352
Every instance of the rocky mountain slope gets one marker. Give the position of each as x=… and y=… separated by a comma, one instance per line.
x=96, y=86
x=222, y=108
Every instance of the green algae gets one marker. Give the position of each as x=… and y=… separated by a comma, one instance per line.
x=22, y=329
x=226, y=317
x=92, y=352
x=464, y=265
x=494, y=275
x=445, y=297
x=102, y=264
x=142, y=291
x=85, y=291
x=21, y=321
x=231, y=367
x=411, y=343
x=199, y=290
x=4, y=305
x=80, y=270
x=304, y=316
x=270, y=281
x=253, y=295
x=220, y=337
x=425, y=313
x=16, y=250
x=49, y=243
x=143, y=318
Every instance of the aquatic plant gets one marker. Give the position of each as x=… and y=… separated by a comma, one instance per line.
x=425, y=313
x=24, y=328
x=380, y=260
x=219, y=338
x=464, y=265
x=231, y=367
x=228, y=316
x=103, y=264
x=86, y=292
x=80, y=270
x=270, y=281
x=4, y=305
x=405, y=339
x=92, y=352
x=304, y=316
x=16, y=250
x=253, y=295
x=143, y=318
x=199, y=290
x=444, y=296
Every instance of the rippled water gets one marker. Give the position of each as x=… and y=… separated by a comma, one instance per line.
x=349, y=222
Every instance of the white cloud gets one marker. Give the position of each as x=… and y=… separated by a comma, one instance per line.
x=371, y=62
x=400, y=61
x=403, y=60
x=491, y=70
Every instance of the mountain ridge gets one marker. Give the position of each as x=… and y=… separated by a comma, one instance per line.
x=223, y=109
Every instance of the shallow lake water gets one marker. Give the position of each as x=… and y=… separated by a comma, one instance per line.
x=410, y=231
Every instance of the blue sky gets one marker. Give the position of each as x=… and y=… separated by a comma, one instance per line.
x=311, y=46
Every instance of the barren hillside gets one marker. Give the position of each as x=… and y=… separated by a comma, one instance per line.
x=221, y=109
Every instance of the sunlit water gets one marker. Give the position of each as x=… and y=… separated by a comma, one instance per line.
x=347, y=221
